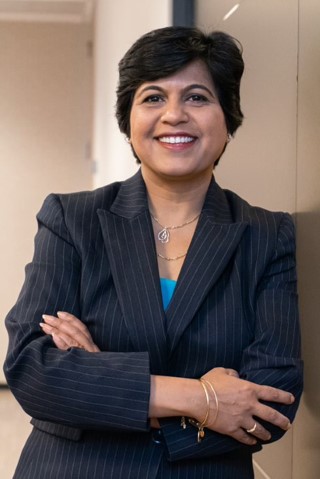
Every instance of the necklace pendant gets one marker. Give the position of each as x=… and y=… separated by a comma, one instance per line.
x=164, y=236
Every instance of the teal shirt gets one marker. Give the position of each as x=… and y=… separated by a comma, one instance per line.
x=167, y=290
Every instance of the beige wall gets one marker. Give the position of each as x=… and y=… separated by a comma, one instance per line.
x=274, y=162
x=54, y=104
x=45, y=123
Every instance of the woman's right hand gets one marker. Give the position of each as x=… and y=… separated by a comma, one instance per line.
x=240, y=406
x=68, y=331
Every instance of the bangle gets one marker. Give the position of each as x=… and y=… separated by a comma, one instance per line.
x=215, y=398
x=198, y=424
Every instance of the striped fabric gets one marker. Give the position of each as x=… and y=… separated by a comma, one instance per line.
x=235, y=305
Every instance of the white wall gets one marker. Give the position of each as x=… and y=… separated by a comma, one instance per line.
x=118, y=24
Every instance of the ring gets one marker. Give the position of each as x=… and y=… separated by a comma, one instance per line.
x=250, y=431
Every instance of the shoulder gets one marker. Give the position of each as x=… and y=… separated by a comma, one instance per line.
x=73, y=215
x=256, y=216
x=87, y=200
x=269, y=238
x=78, y=203
x=267, y=231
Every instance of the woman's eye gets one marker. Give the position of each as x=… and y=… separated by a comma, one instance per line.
x=197, y=98
x=153, y=99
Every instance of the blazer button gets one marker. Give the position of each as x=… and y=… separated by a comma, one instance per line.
x=157, y=436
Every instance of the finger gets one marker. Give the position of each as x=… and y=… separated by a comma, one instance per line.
x=268, y=393
x=62, y=338
x=76, y=322
x=59, y=342
x=272, y=416
x=71, y=328
x=243, y=437
x=72, y=335
x=46, y=328
x=258, y=431
x=67, y=323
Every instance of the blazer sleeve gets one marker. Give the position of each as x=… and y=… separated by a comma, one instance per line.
x=272, y=358
x=73, y=388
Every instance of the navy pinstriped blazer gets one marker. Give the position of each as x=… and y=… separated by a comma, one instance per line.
x=235, y=305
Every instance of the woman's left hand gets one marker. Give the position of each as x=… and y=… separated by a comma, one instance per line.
x=68, y=331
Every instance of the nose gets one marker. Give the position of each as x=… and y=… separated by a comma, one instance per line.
x=174, y=113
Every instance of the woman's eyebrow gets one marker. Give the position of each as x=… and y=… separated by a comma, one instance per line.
x=199, y=86
x=149, y=87
x=193, y=86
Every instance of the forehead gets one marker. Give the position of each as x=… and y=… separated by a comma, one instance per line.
x=195, y=73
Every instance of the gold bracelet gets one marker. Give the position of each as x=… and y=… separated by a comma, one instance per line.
x=198, y=424
x=215, y=398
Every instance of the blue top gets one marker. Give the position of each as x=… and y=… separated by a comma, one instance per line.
x=167, y=290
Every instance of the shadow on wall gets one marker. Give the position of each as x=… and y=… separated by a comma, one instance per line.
x=308, y=257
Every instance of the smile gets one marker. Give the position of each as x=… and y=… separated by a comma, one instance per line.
x=174, y=140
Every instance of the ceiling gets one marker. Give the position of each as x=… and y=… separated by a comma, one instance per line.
x=60, y=11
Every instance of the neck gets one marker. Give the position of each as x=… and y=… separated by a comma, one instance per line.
x=175, y=201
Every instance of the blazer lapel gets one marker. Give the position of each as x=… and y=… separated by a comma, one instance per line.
x=129, y=242
x=128, y=237
x=214, y=242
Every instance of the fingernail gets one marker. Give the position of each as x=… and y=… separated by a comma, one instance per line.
x=41, y=324
x=47, y=317
x=61, y=314
x=288, y=426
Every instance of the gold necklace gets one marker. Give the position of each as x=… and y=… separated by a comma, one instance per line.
x=175, y=258
x=164, y=235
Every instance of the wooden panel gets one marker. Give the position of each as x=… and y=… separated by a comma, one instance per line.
x=260, y=163
x=306, y=457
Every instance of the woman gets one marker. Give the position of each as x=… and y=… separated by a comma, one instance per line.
x=176, y=351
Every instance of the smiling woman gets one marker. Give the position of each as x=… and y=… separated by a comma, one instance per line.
x=176, y=348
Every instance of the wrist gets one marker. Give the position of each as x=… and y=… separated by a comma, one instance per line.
x=211, y=410
x=174, y=396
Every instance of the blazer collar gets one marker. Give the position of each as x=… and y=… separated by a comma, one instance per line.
x=128, y=237
x=129, y=241
x=131, y=199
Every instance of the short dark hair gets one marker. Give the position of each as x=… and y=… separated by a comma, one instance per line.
x=164, y=51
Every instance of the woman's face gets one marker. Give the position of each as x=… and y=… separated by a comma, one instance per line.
x=178, y=128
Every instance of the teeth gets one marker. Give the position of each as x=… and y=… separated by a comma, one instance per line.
x=176, y=139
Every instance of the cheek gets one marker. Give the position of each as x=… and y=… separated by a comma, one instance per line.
x=139, y=127
x=220, y=127
x=216, y=129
